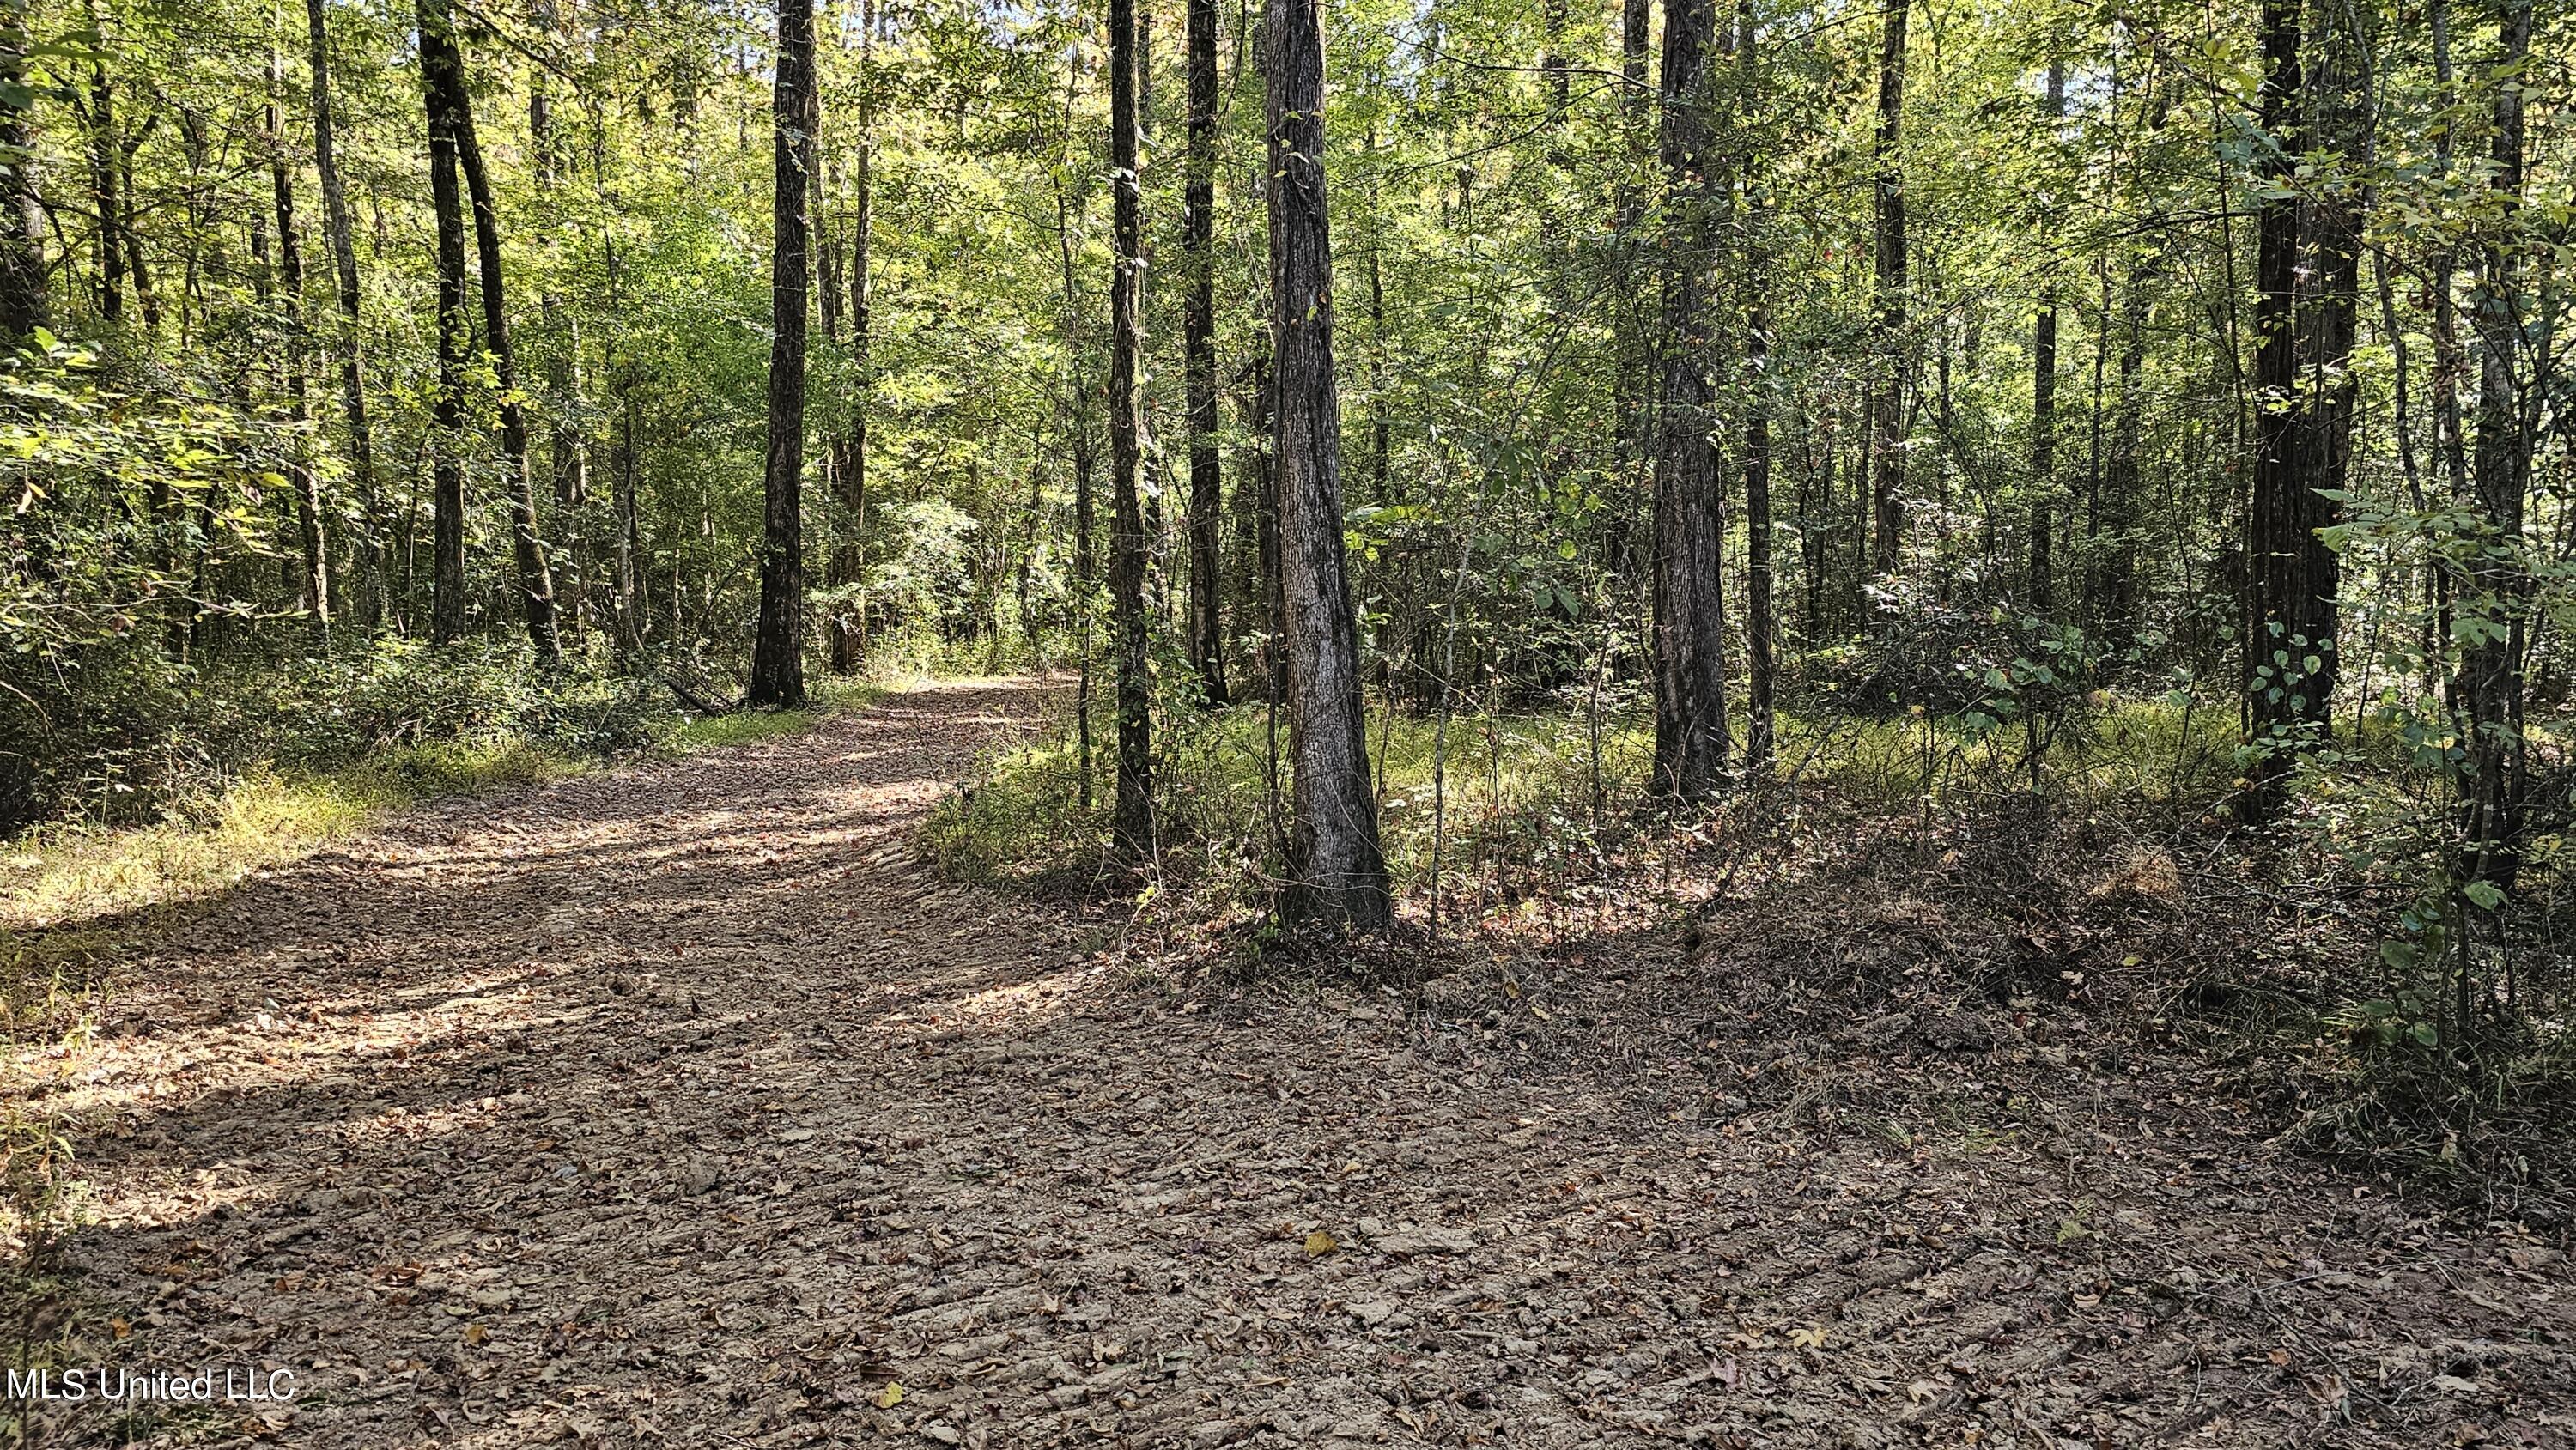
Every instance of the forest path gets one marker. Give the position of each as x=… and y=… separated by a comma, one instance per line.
x=679, y=1106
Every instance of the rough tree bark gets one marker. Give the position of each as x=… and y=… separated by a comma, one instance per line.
x=1689, y=598
x=2497, y=597
x=1134, y=823
x=778, y=654
x=1339, y=872
x=2293, y=578
x=1198, y=354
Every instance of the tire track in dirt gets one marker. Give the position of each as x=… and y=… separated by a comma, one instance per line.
x=681, y=1107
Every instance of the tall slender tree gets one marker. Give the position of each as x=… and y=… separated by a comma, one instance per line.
x=2043, y=388
x=447, y=403
x=568, y=446
x=22, y=247
x=443, y=65
x=366, y=596
x=1198, y=357
x=848, y=564
x=2293, y=575
x=778, y=649
x=1887, y=428
x=1338, y=868
x=106, y=151
x=1689, y=597
x=1128, y=540
x=313, y=578
x=1761, y=624
x=2489, y=688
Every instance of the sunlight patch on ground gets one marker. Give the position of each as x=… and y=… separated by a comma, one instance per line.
x=1037, y=1000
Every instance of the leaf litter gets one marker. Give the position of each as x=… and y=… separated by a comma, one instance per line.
x=681, y=1106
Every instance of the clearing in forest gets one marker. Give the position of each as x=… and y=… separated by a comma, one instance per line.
x=679, y=1106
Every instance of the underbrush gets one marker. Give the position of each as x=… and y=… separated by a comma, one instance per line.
x=2097, y=866
x=1487, y=795
x=1454, y=801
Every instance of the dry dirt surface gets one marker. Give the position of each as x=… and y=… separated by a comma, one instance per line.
x=683, y=1107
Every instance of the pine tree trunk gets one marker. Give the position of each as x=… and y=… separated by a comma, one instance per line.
x=1133, y=827
x=1339, y=874
x=778, y=655
x=1689, y=600
x=1198, y=355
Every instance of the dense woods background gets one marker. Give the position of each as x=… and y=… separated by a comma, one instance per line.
x=2155, y=411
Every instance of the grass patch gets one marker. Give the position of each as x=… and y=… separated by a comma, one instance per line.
x=1533, y=791
x=59, y=877
x=746, y=727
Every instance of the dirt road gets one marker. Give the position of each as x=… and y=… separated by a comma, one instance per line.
x=681, y=1107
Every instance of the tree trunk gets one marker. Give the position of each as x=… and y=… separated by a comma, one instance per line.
x=2122, y=481
x=1887, y=475
x=2292, y=575
x=1339, y=873
x=102, y=170
x=567, y=450
x=22, y=247
x=1689, y=599
x=2499, y=587
x=527, y=549
x=778, y=656
x=447, y=406
x=1761, y=627
x=1077, y=408
x=1198, y=351
x=2043, y=402
x=849, y=562
x=313, y=579
x=366, y=598
x=628, y=566
x=1134, y=824
x=1260, y=420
